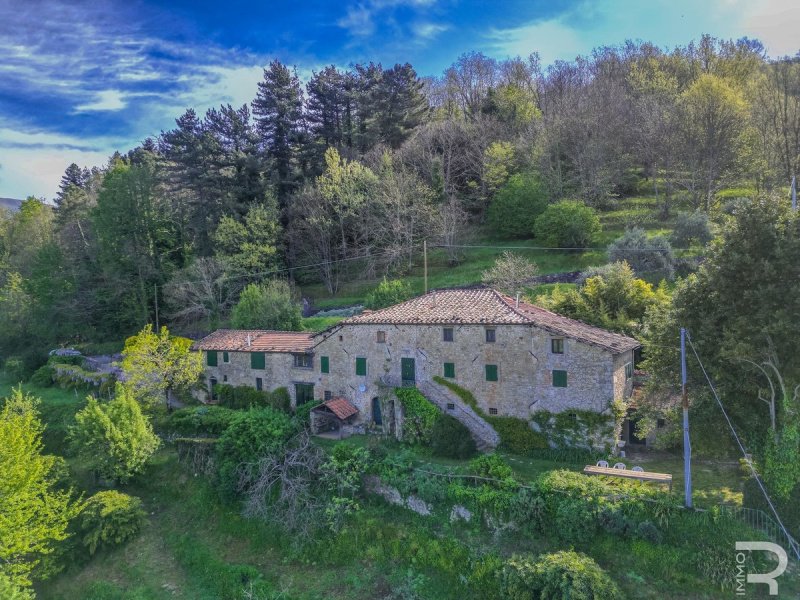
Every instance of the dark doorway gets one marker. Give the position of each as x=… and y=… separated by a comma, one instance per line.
x=408, y=371
x=377, y=418
x=634, y=439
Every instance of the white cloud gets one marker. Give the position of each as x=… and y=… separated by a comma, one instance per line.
x=105, y=100
x=552, y=39
x=428, y=31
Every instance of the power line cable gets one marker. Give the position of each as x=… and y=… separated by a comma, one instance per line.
x=795, y=549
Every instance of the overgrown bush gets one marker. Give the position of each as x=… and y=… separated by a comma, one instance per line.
x=692, y=228
x=649, y=532
x=788, y=509
x=110, y=518
x=567, y=224
x=450, y=438
x=388, y=292
x=516, y=435
x=200, y=420
x=250, y=435
x=43, y=376
x=244, y=396
x=563, y=575
x=492, y=466
x=644, y=254
x=419, y=415
x=513, y=211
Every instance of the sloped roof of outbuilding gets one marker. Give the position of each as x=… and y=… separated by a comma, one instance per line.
x=341, y=407
x=485, y=306
x=255, y=340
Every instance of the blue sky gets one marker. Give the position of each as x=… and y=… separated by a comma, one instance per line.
x=82, y=78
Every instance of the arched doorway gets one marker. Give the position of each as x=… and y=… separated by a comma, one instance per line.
x=377, y=417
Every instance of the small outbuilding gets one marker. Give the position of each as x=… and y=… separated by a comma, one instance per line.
x=333, y=416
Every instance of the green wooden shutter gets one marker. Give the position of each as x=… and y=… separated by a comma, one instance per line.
x=324, y=364
x=361, y=366
x=491, y=372
x=211, y=358
x=225, y=357
x=257, y=360
x=449, y=370
x=559, y=378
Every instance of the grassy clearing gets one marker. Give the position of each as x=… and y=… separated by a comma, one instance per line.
x=641, y=211
x=319, y=323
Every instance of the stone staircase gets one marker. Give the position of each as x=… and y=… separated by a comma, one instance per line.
x=486, y=438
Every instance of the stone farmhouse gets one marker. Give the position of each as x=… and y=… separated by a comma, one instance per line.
x=516, y=358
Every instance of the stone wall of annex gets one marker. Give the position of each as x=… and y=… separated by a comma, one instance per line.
x=278, y=371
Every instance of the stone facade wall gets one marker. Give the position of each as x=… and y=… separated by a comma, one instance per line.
x=278, y=371
x=521, y=353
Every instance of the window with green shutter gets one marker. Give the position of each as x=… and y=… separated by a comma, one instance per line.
x=449, y=370
x=226, y=357
x=361, y=366
x=491, y=372
x=559, y=378
x=324, y=364
x=257, y=360
x=211, y=358
x=303, y=392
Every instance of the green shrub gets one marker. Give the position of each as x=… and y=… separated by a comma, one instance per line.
x=692, y=228
x=513, y=211
x=43, y=376
x=388, y=292
x=516, y=435
x=575, y=521
x=200, y=420
x=419, y=415
x=562, y=575
x=450, y=438
x=615, y=522
x=110, y=518
x=567, y=224
x=250, y=435
x=492, y=466
x=529, y=511
x=649, y=532
x=645, y=255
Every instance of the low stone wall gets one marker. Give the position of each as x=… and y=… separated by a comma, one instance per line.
x=392, y=495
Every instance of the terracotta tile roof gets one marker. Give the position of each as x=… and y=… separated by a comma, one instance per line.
x=261, y=340
x=340, y=407
x=485, y=306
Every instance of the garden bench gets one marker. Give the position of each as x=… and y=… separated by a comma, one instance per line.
x=626, y=474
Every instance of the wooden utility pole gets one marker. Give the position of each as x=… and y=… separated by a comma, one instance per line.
x=687, y=448
x=425, y=262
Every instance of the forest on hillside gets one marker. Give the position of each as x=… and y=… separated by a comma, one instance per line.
x=350, y=171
